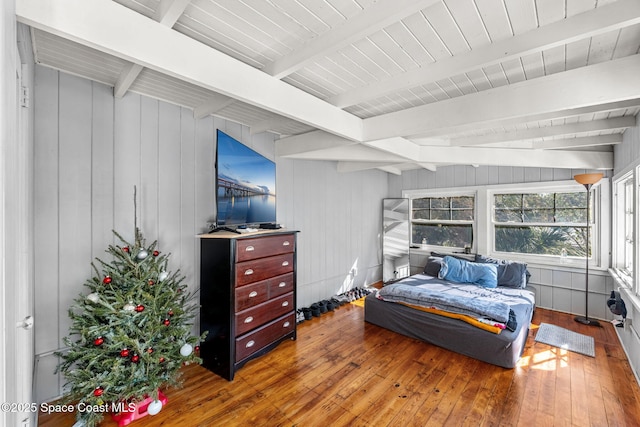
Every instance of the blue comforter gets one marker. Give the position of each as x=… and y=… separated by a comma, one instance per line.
x=463, y=298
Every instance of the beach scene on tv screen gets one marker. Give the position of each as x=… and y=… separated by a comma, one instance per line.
x=246, y=184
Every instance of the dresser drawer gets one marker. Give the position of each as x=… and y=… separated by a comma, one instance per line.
x=263, y=268
x=261, y=247
x=252, y=342
x=252, y=294
x=280, y=285
x=260, y=314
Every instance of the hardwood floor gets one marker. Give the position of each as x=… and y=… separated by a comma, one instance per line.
x=342, y=371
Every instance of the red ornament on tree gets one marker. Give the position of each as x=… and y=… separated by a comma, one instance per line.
x=161, y=360
x=139, y=308
x=156, y=253
x=151, y=282
x=126, y=249
x=170, y=312
x=98, y=341
x=98, y=391
x=197, y=348
x=135, y=358
x=166, y=322
x=124, y=352
x=106, y=280
x=150, y=350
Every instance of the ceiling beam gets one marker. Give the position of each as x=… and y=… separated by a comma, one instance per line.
x=606, y=82
x=616, y=123
x=380, y=15
x=348, y=166
x=585, y=141
x=169, y=11
x=268, y=125
x=344, y=153
x=515, y=157
x=436, y=136
x=212, y=106
x=617, y=15
x=116, y=30
x=428, y=166
x=167, y=14
x=310, y=142
x=126, y=78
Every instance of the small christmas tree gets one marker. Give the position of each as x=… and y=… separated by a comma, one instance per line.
x=130, y=335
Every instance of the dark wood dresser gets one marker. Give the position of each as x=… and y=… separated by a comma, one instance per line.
x=247, y=296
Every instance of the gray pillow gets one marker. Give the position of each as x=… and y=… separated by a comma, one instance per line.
x=433, y=265
x=511, y=274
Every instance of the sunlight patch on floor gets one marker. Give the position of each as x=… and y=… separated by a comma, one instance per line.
x=546, y=360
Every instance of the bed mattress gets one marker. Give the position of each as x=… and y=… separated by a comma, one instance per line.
x=503, y=349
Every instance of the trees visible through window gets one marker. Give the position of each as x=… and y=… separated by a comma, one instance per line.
x=443, y=221
x=541, y=223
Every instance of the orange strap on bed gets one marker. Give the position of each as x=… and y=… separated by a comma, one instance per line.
x=470, y=320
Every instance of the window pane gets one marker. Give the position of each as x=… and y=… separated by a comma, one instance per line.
x=538, y=215
x=420, y=203
x=538, y=201
x=462, y=202
x=508, y=201
x=541, y=240
x=438, y=214
x=578, y=215
x=440, y=202
x=421, y=213
x=462, y=215
x=443, y=235
x=569, y=200
x=503, y=215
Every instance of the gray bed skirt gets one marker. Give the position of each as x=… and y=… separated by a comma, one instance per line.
x=502, y=349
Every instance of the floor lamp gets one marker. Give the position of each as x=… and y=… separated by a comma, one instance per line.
x=587, y=179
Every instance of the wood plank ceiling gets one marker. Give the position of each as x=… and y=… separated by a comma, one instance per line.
x=388, y=84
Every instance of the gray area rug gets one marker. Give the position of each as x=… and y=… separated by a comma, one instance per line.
x=566, y=339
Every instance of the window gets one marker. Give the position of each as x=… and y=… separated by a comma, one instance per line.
x=443, y=221
x=628, y=227
x=541, y=223
x=536, y=222
x=624, y=227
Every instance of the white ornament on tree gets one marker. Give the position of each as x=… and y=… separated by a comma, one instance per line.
x=154, y=407
x=129, y=307
x=142, y=254
x=93, y=297
x=163, y=275
x=186, y=349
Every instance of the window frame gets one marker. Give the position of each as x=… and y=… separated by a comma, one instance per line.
x=618, y=262
x=435, y=193
x=484, y=229
x=552, y=187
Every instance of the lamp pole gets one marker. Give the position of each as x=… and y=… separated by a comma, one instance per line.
x=587, y=179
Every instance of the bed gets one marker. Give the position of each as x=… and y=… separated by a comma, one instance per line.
x=437, y=320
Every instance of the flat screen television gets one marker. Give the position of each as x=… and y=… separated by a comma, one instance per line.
x=245, y=185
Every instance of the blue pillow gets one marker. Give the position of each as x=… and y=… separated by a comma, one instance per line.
x=458, y=270
x=511, y=274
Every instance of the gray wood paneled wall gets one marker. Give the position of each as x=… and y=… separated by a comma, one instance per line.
x=557, y=288
x=92, y=149
x=626, y=156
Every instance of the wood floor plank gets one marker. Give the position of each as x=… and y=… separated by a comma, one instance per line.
x=342, y=371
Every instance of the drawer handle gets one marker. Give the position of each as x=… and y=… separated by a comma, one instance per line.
x=286, y=324
x=285, y=303
x=282, y=284
x=253, y=294
x=249, y=249
x=250, y=344
x=248, y=272
x=285, y=263
x=286, y=243
x=248, y=319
